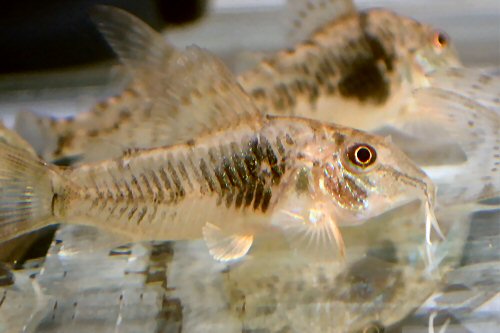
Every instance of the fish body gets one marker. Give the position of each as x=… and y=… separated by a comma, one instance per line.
x=337, y=75
x=316, y=190
x=291, y=174
x=103, y=129
x=231, y=173
x=356, y=70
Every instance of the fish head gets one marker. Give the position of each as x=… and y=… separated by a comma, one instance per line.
x=418, y=47
x=345, y=178
x=365, y=176
x=422, y=47
x=436, y=51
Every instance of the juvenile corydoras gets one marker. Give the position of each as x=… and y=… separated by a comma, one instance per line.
x=232, y=175
x=357, y=71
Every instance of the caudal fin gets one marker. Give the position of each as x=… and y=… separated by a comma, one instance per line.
x=25, y=192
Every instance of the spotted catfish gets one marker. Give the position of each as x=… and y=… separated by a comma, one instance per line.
x=133, y=121
x=232, y=174
x=353, y=68
x=358, y=70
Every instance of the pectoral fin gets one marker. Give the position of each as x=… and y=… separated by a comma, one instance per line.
x=315, y=233
x=223, y=246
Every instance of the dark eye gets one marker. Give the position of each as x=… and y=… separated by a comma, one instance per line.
x=440, y=39
x=362, y=155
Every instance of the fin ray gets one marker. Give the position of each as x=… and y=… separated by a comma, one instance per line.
x=140, y=48
x=224, y=247
x=25, y=192
x=206, y=95
x=313, y=231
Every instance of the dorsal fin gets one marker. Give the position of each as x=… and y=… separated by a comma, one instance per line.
x=307, y=16
x=192, y=90
x=141, y=49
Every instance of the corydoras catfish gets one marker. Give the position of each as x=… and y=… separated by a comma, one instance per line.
x=358, y=70
x=447, y=106
x=231, y=174
x=353, y=68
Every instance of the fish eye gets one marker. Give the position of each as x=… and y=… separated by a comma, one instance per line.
x=362, y=155
x=440, y=39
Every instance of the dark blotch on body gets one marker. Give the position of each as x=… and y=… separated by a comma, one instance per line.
x=246, y=172
x=363, y=77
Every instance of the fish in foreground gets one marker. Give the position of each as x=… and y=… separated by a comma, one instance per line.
x=231, y=174
x=353, y=68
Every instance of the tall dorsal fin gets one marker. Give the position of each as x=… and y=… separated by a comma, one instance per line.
x=307, y=16
x=192, y=91
x=141, y=49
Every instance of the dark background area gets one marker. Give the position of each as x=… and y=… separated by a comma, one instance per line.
x=52, y=34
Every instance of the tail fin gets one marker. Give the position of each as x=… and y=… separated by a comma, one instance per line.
x=25, y=192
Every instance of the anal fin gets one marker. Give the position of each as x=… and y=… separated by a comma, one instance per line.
x=226, y=247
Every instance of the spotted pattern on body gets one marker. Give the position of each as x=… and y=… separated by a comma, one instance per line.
x=365, y=70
